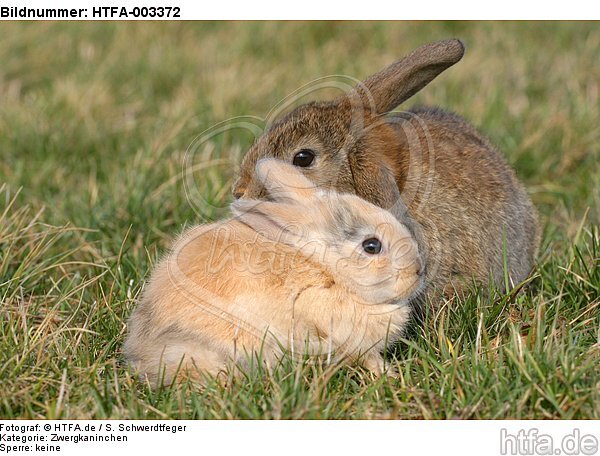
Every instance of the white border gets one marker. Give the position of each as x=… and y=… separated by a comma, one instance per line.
x=306, y=438
x=345, y=9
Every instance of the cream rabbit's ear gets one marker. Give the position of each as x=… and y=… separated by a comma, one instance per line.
x=278, y=222
x=284, y=182
x=396, y=83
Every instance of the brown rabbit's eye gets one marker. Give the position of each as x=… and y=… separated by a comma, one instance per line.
x=372, y=246
x=304, y=158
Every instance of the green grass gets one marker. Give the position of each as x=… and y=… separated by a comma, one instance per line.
x=95, y=120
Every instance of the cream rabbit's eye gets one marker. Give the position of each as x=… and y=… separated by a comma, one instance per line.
x=372, y=246
x=304, y=158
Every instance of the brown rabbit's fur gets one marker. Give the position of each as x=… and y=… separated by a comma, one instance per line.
x=469, y=207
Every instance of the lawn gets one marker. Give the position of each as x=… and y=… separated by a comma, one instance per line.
x=95, y=121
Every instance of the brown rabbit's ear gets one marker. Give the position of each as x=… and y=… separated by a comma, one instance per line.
x=279, y=222
x=374, y=181
x=393, y=85
x=283, y=182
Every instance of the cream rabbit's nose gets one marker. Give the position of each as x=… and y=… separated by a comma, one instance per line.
x=420, y=267
x=409, y=260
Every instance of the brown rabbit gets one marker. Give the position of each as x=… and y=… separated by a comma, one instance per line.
x=311, y=271
x=472, y=214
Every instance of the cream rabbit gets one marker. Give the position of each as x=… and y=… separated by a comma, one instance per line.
x=309, y=271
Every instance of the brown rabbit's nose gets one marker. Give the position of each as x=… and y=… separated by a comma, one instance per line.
x=239, y=187
x=238, y=192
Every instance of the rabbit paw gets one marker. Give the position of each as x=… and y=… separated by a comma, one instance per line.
x=377, y=366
